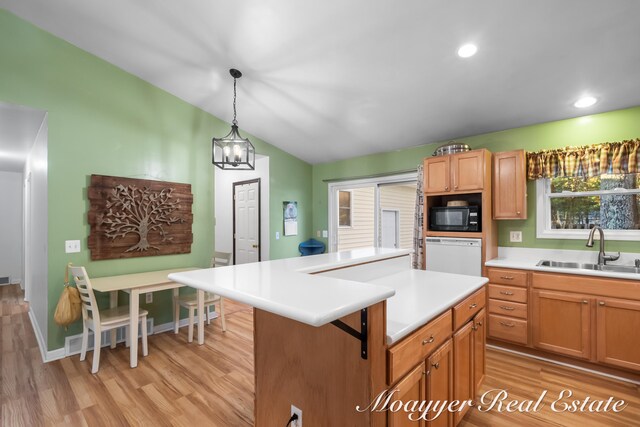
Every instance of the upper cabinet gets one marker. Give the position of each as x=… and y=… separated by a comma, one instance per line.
x=509, y=185
x=462, y=172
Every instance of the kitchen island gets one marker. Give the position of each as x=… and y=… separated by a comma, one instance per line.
x=333, y=331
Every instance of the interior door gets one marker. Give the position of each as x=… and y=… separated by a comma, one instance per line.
x=246, y=222
x=390, y=227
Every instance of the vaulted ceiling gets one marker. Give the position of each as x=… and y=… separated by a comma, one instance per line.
x=333, y=79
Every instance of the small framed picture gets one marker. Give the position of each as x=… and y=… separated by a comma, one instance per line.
x=290, y=214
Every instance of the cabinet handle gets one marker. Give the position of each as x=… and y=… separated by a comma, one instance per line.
x=508, y=325
x=446, y=188
x=506, y=293
x=601, y=303
x=518, y=213
x=472, y=306
x=436, y=365
x=584, y=301
x=474, y=328
x=507, y=277
x=455, y=187
x=504, y=307
x=479, y=323
x=429, y=341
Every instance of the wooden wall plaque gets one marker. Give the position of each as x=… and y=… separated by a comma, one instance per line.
x=137, y=217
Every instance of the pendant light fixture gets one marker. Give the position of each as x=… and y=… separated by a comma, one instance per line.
x=233, y=151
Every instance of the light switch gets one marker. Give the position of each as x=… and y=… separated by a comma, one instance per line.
x=325, y=233
x=318, y=233
x=277, y=235
x=515, y=236
x=71, y=246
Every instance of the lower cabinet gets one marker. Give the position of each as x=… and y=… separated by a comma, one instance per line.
x=469, y=361
x=440, y=382
x=618, y=323
x=411, y=387
x=562, y=323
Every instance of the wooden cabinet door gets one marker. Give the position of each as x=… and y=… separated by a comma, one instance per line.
x=440, y=383
x=562, y=323
x=468, y=170
x=411, y=387
x=479, y=350
x=618, y=323
x=464, y=379
x=437, y=174
x=509, y=185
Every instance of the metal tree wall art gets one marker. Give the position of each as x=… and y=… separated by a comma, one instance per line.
x=139, y=211
x=134, y=217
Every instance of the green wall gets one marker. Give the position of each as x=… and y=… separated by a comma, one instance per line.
x=611, y=126
x=103, y=120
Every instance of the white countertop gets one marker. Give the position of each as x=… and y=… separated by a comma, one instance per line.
x=285, y=287
x=421, y=296
x=527, y=258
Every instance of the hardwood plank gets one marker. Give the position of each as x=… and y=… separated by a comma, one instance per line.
x=185, y=384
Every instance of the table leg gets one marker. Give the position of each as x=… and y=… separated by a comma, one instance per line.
x=113, y=302
x=200, y=316
x=134, y=312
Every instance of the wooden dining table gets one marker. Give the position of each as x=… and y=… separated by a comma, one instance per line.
x=141, y=283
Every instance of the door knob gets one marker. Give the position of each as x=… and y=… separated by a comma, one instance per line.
x=254, y=246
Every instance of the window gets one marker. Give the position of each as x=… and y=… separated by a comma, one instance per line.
x=568, y=206
x=344, y=208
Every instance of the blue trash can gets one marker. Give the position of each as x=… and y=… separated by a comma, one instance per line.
x=311, y=247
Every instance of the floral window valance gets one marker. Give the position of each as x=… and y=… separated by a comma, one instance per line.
x=588, y=161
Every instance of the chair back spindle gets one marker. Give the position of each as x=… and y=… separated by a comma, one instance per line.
x=89, y=304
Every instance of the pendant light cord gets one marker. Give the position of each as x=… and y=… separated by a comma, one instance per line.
x=235, y=122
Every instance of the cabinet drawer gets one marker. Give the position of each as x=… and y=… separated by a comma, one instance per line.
x=508, y=329
x=468, y=308
x=508, y=308
x=418, y=346
x=508, y=293
x=507, y=277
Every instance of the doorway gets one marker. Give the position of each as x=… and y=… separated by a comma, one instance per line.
x=246, y=221
x=390, y=228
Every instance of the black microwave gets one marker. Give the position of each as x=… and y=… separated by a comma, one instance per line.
x=454, y=218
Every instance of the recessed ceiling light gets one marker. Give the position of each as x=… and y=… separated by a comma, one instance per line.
x=584, y=102
x=467, y=50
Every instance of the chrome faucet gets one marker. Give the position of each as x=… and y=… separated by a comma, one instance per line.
x=602, y=257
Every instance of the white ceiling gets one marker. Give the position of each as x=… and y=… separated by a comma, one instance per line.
x=19, y=127
x=332, y=79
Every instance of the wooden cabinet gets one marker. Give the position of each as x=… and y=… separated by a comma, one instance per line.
x=509, y=185
x=437, y=174
x=464, y=382
x=479, y=350
x=440, y=382
x=508, y=305
x=562, y=323
x=462, y=172
x=411, y=387
x=618, y=323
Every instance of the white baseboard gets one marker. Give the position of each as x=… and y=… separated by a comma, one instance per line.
x=567, y=365
x=47, y=356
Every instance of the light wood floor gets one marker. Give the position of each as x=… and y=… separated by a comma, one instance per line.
x=186, y=384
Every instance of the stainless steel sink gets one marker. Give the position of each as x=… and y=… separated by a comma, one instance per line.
x=587, y=266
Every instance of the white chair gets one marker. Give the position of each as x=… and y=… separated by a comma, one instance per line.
x=190, y=302
x=99, y=321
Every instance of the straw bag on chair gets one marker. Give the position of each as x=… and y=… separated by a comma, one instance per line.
x=69, y=305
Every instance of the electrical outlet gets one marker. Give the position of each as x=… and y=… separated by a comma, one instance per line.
x=325, y=233
x=149, y=297
x=277, y=235
x=318, y=233
x=515, y=236
x=71, y=246
x=298, y=422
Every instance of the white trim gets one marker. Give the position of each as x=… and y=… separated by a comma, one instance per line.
x=567, y=365
x=543, y=218
x=47, y=356
x=334, y=187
